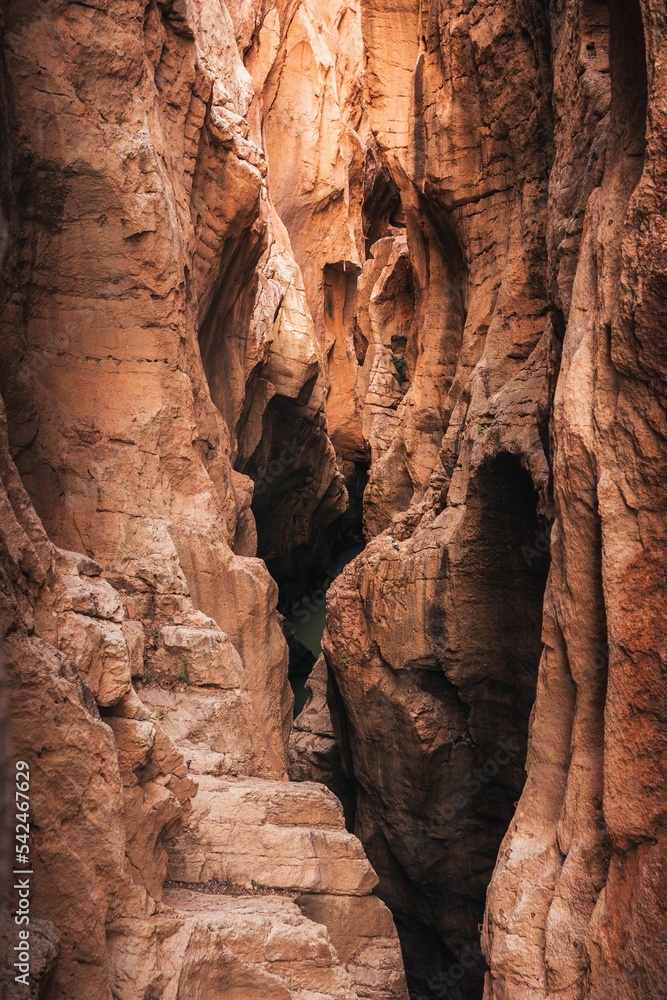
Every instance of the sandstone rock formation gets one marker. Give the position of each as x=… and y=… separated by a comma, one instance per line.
x=159, y=360
x=80, y=814
x=548, y=229
x=590, y=824
x=267, y=893
x=434, y=632
x=275, y=272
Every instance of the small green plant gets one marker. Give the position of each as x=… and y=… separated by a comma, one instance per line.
x=482, y=427
x=183, y=674
x=160, y=716
x=155, y=635
x=400, y=366
x=227, y=882
x=256, y=885
x=209, y=927
x=146, y=677
x=346, y=661
x=299, y=135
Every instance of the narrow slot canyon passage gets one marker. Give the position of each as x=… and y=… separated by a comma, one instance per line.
x=441, y=625
x=305, y=618
x=304, y=578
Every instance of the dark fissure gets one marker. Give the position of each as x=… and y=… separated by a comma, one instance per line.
x=497, y=588
x=304, y=570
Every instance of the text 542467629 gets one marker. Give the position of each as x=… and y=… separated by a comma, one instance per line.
x=22, y=874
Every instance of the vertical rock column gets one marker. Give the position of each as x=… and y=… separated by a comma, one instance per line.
x=575, y=905
x=433, y=633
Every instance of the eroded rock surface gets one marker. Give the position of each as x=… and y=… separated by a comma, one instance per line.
x=589, y=829
x=102, y=796
x=160, y=367
x=544, y=196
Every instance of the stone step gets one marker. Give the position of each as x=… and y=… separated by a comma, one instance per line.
x=264, y=947
x=362, y=931
x=198, y=946
x=275, y=834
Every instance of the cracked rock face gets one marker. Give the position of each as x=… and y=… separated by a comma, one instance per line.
x=276, y=273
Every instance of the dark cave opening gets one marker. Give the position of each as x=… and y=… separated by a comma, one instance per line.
x=433, y=829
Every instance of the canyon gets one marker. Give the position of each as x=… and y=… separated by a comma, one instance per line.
x=332, y=531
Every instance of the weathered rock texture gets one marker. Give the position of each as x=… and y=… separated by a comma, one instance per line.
x=80, y=818
x=528, y=146
x=434, y=632
x=160, y=367
x=108, y=793
x=587, y=849
x=259, y=256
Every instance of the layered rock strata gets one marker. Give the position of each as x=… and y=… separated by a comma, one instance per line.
x=123, y=789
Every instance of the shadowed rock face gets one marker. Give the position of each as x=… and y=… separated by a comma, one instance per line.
x=276, y=271
x=436, y=684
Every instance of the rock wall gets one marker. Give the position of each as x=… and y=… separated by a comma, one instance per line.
x=589, y=829
x=434, y=632
x=111, y=419
x=527, y=144
x=160, y=368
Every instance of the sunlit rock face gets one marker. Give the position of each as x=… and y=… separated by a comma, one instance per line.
x=161, y=367
x=282, y=277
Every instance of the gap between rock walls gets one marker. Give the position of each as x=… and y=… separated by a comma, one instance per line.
x=330, y=437
x=433, y=621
